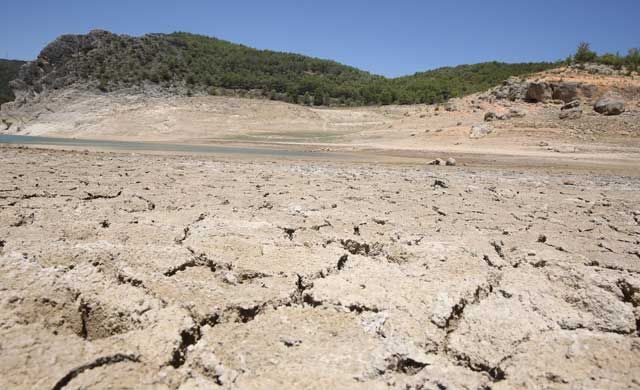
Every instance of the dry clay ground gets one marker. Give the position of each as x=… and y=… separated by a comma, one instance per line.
x=128, y=271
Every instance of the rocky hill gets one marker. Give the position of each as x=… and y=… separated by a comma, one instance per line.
x=8, y=71
x=188, y=64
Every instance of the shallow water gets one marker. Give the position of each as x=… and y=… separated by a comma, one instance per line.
x=158, y=147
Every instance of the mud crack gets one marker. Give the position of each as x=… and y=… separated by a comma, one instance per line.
x=91, y=196
x=289, y=232
x=187, y=229
x=498, y=248
x=24, y=220
x=198, y=261
x=457, y=310
x=356, y=248
x=342, y=261
x=404, y=364
x=102, y=361
x=188, y=337
x=496, y=373
x=85, y=311
x=318, y=227
x=150, y=205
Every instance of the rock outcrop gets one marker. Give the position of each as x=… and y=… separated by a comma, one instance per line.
x=609, y=105
x=566, y=92
x=538, y=92
x=514, y=88
x=48, y=71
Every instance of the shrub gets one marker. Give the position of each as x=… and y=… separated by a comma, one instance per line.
x=584, y=53
x=611, y=59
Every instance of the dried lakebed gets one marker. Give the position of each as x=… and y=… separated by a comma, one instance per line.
x=187, y=272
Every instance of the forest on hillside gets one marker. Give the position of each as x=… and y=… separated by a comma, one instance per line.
x=201, y=64
x=212, y=63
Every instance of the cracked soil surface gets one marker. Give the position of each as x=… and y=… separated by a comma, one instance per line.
x=141, y=271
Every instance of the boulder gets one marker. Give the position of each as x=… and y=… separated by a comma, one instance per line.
x=609, y=105
x=565, y=92
x=479, y=131
x=538, y=92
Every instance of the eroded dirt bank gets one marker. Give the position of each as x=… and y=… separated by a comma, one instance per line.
x=187, y=272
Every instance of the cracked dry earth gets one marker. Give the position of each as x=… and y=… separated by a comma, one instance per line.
x=133, y=271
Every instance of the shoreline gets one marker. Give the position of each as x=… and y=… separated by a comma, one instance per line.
x=612, y=163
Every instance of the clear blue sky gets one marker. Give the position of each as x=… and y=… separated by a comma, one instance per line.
x=385, y=37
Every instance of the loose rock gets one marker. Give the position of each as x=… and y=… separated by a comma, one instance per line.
x=574, y=113
x=437, y=161
x=571, y=104
x=480, y=131
x=515, y=113
x=491, y=116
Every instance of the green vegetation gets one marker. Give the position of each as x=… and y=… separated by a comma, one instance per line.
x=442, y=84
x=584, y=54
x=8, y=71
x=207, y=64
x=198, y=63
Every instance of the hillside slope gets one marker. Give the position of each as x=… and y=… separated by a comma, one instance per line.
x=519, y=125
x=444, y=83
x=194, y=64
x=8, y=71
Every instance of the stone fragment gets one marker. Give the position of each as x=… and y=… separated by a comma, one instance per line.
x=480, y=131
